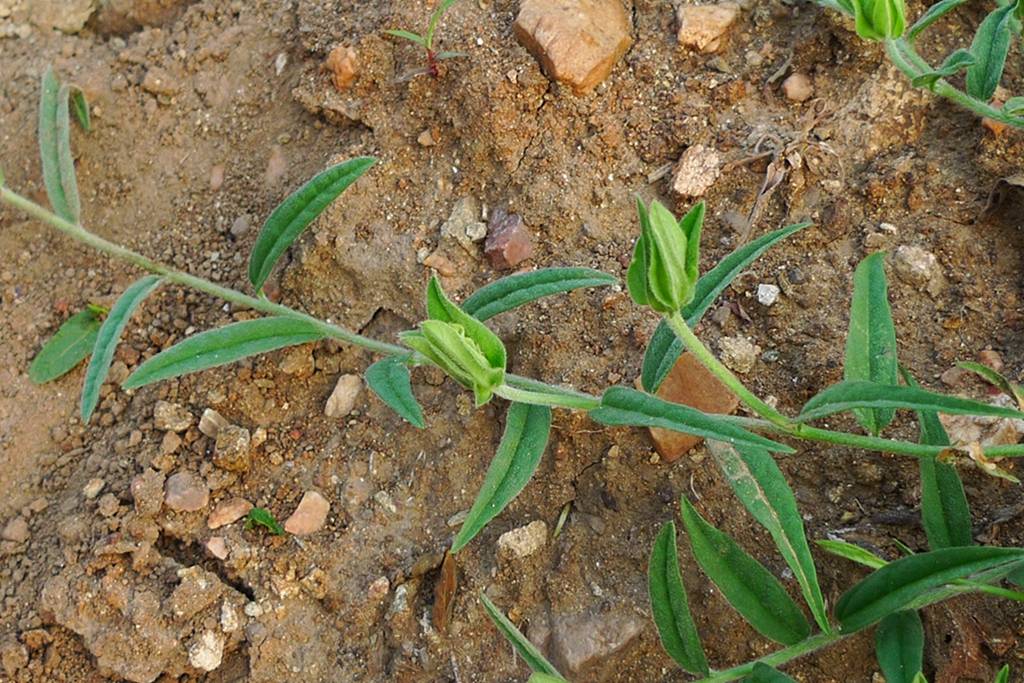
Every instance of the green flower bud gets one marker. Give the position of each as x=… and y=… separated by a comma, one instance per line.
x=666, y=259
x=880, y=19
x=460, y=345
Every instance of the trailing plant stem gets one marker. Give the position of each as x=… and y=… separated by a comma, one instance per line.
x=82, y=235
x=695, y=346
x=516, y=388
x=777, y=658
x=907, y=60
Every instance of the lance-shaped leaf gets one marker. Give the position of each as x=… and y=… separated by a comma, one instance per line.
x=408, y=35
x=669, y=605
x=871, y=340
x=435, y=19
x=945, y=514
x=73, y=341
x=854, y=553
x=899, y=646
x=857, y=395
x=80, y=106
x=295, y=213
x=664, y=348
x=522, y=445
x=223, y=345
x=515, y=290
x=621, y=406
x=1009, y=388
x=55, y=148
x=953, y=64
x=761, y=487
x=990, y=46
x=750, y=588
x=1004, y=675
x=933, y=14
x=762, y=673
x=527, y=650
x=107, y=339
x=919, y=580
x=389, y=379
x=537, y=677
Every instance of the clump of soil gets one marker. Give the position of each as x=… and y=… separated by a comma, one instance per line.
x=208, y=113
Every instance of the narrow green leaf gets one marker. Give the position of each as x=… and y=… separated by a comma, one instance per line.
x=1009, y=388
x=65, y=349
x=223, y=345
x=852, y=552
x=295, y=213
x=527, y=650
x=389, y=379
x=664, y=348
x=1014, y=106
x=55, y=148
x=945, y=514
x=851, y=395
x=435, y=19
x=522, y=445
x=81, y=108
x=108, y=338
x=669, y=605
x=264, y=518
x=449, y=54
x=921, y=579
x=408, y=35
x=954, y=64
x=621, y=406
x=919, y=677
x=899, y=646
x=762, y=673
x=871, y=341
x=1004, y=675
x=761, y=487
x=536, y=677
x=990, y=46
x=750, y=588
x=515, y=290
x=933, y=14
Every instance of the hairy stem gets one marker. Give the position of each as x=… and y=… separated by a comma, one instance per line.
x=708, y=360
x=80, y=234
x=516, y=387
x=777, y=658
x=905, y=57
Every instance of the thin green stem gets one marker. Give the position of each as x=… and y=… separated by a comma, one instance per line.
x=516, y=388
x=695, y=346
x=905, y=57
x=80, y=234
x=544, y=398
x=777, y=658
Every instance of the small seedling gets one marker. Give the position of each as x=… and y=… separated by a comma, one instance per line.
x=426, y=41
x=982, y=63
x=264, y=518
x=663, y=276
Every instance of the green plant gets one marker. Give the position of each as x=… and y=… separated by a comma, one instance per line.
x=982, y=63
x=426, y=41
x=264, y=518
x=664, y=276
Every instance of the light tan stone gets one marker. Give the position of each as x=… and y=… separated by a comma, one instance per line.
x=702, y=27
x=577, y=42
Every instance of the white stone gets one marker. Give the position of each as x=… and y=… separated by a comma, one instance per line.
x=229, y=621
x=93, y=488
x=212, y=422
x=738, y=353
x=206, y=652
x=696, y=172
x=524, y=541
x=767, y=294
x=343, y=398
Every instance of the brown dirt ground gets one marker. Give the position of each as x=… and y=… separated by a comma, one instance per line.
x=867, y=151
